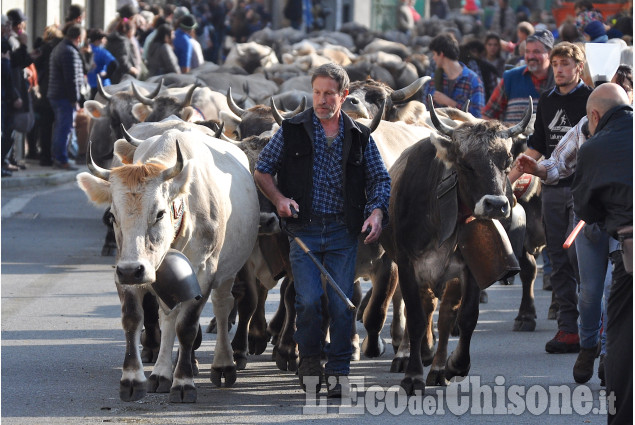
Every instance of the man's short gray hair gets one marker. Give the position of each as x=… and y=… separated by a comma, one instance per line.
x=333, y=71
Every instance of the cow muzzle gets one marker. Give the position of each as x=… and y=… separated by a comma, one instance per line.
x=134, y=273
x=492, y=206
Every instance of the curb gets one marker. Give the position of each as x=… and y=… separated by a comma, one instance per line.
x=44, y=179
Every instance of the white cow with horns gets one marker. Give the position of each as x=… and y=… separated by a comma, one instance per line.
x=194, y=193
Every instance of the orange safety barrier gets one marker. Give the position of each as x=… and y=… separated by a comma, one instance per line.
x=567, y=9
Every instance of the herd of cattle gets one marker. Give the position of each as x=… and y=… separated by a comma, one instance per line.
x=172, y=159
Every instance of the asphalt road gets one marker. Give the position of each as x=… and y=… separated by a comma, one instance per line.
x=63, y=347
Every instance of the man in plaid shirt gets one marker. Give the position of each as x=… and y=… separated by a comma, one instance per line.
x=329, y=170
x=453, y=83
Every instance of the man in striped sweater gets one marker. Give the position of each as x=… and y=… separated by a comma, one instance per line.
x=510, y=98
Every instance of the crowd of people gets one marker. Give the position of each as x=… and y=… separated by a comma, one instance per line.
x=147, y=40
x=496, y=74
x=48, y=85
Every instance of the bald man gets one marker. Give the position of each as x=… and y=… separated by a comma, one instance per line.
x=591, y=246
x=603, y=193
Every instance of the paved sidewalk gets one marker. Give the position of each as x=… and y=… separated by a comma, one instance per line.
x=36, y=175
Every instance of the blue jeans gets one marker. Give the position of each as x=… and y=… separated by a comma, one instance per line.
x=546, y=263
x=336, y=249
x=592, y=247
x=64, y=114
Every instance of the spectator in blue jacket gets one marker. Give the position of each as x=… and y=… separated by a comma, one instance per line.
x=65, y=82
x=183, y=47
x=103, y=64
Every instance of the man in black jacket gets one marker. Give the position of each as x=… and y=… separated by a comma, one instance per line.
x=603, y=193
x=66, y=75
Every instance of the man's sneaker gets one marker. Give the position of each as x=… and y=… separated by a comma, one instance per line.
x=564, y=342
x=601, y=371
x=583, y=367
x=336, y=385
x=310, y=370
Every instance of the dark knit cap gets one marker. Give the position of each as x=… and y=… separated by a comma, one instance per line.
x=595, y=29
x=188, y=22
x=544, y=36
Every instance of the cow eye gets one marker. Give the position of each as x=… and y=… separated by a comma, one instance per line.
x=160, y=215
x=110, y=217
x=509, y=163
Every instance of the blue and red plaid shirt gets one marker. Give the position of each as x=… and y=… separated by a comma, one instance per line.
x=467, y=87
x=328, y=176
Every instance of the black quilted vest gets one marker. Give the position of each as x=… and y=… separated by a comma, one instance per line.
x=295, y=177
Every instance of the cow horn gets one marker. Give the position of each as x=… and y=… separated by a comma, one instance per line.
x=520, y=127
x=301, y=107
x=409, y=91
x=275, y=112
x=178, y=165
x=102, y=92
x=95, y=169
x=131, y=139
x=219, y=130
x=141, y=98
x=228, y=139
x=438, y=124
x=157, y=90
x=377, y=118
x=232, y=105
x=188, y=97
x=466, y=108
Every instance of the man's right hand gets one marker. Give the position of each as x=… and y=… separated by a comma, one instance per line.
x=284, y=207
x=527, y=164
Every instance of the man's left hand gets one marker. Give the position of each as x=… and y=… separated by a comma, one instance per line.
x=373, y=223
x=443, y=99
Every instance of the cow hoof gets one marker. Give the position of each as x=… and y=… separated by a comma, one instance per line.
x=211, y=328
x=399, y=364
x=227, y=372
x=412, y=385
x=274, y=352
x=436, y=378
x=451, y=371
x=258, y=346
x=183, y=394
x=286, y=363
x=524, y=324
x=483, y=298
x=241, y=361
x=373, y=346
x=149, y=355
x=132, y=390
x=159, y=384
